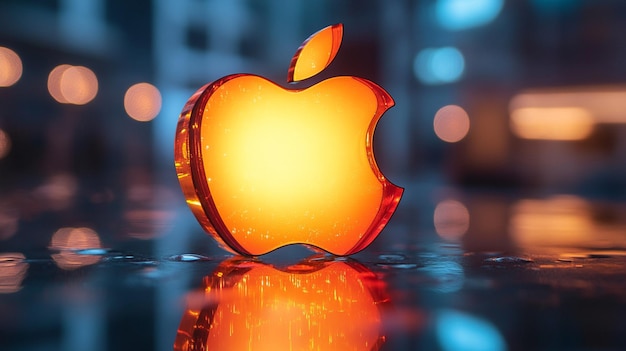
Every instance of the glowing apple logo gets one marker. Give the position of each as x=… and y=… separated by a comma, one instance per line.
x=312, y=305
x=263, y=167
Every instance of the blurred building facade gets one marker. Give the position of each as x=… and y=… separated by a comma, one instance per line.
x=478, y=55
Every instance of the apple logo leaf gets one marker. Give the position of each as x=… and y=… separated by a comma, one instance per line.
x=315, y=53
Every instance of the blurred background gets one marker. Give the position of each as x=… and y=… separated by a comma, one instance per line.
x=514, y=98
x=509, y=132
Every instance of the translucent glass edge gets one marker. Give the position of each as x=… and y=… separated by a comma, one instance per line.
x=392, y=193
x=190, y=168
x=337, y=36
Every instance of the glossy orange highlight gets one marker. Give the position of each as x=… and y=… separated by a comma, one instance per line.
x=263, y=167
x=313, y=305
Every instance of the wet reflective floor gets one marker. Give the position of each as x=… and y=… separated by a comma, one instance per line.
x=457, y=271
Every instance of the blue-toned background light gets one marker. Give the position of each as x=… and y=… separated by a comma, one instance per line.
x=439, y=65
x=464, y=14
x=555, y=6
x=458, y=331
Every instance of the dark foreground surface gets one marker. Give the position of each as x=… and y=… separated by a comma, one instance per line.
x=464, y=272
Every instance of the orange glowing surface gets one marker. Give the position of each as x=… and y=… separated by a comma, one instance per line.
x=315, y=53
x=313, y=305
x=263, y=167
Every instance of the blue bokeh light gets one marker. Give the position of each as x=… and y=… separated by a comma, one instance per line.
x=457, y=331
x=464, y=14
x=439, y=65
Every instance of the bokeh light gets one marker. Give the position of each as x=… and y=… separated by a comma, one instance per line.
x=552, y=123
x=13, y=270
x=439, y=65
x=8, y=223
x=79, y=85
x=451, y=123
x=559, y=221
x=458, y=331
x=76, y=85
x=465, y=14
x=54, y=83
x=10, y=67
x=69, y=241
x=58, y=191
x=5, y=144
x=451, y=219
x=142, y=102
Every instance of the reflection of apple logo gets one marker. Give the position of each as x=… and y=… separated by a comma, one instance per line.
x=263, y=167
x=313, y=305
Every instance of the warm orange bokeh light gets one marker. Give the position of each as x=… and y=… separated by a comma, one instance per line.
x=79, y=85
x=69, y=240
x=315, y=53
x=313, y=305
x=451, y=123
x=451, y=219
x=9, y=222
x=263, y=167
x=552, y=123
x=76, y=85
x=12, y=272
x=5, y=144
x=142, y=102
x=10, y=67
x=54, y=83
x=565, y=221
x=604, y=103
x=557, y=221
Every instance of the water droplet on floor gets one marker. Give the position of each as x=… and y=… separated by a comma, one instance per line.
x=119, y=257
x=391, y=258
x=114, y=256
x=509, y=259
x=398, y=265
x=95, y=252
x=188, y=258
